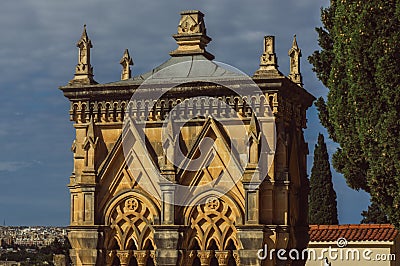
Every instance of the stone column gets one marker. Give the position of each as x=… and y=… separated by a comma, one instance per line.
x=141, y=257
x=167, y=209
x=167, y=187
x=251, y=176
x=152, y=256
x=281, y=242
x=222, y=257
x=124, y=257
x=251, y=237
x=166, y=240
x=204, y=256
x=235, y=255
x=252, y=205
x=84, y=241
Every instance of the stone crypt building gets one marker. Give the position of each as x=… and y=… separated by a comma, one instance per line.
x=192, y=163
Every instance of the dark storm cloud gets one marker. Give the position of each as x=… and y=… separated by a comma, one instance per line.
x=38, y=54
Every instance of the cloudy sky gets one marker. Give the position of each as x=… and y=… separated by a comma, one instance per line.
x=38, y=54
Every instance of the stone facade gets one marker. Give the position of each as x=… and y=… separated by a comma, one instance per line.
x=117, y=220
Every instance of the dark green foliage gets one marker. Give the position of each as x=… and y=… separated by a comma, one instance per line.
x=374, y=215
x=57, y=247
x=360, y=64
x=322, y=204
x=28, y=258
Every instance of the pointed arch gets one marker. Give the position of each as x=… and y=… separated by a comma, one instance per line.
x=212, y=244
x=130, y=217
x=212, y=223
x=235, y=204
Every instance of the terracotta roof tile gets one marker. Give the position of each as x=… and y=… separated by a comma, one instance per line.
x=353, y=232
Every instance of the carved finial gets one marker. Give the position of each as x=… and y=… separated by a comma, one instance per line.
x=295, y=42
x=253, y=126
x=192, y=36
x=166, y=164
x=90, y=139
x=254, y=140
x=89, y=145
x=90, y=131
x=295, y=54
x=83, y=70
x=84, y=36
x=126, y=61
x=268, y=60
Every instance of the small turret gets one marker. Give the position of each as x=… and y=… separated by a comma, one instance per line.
x=268, y=60
x=192, y=36
x=83, y=70
x=126, y=61
x=295, y=54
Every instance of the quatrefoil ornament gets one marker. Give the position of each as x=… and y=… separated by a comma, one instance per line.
x=131, y=204
x=212, y=204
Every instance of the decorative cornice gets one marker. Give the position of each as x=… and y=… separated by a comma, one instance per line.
x=114, y=110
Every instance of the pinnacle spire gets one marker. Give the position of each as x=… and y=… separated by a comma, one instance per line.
x=84, y=35
x=294, y=44
x=192, y=36
x=295, y=54
x=83, y=70
x=126, y=61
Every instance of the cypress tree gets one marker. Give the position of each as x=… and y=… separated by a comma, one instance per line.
x=322, y=201
x=359, y=62
x=374, y=215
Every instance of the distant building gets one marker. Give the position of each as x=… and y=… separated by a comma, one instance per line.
x=124, y=208
x=354, y=244
x=9, y=263
x=59, y=260
x=39, y=236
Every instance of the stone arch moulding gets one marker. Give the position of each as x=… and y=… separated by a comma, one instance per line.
x=130, y=217
x=235, y=202
x=214, y=219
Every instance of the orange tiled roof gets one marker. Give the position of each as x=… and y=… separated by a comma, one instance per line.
x=353, y=232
